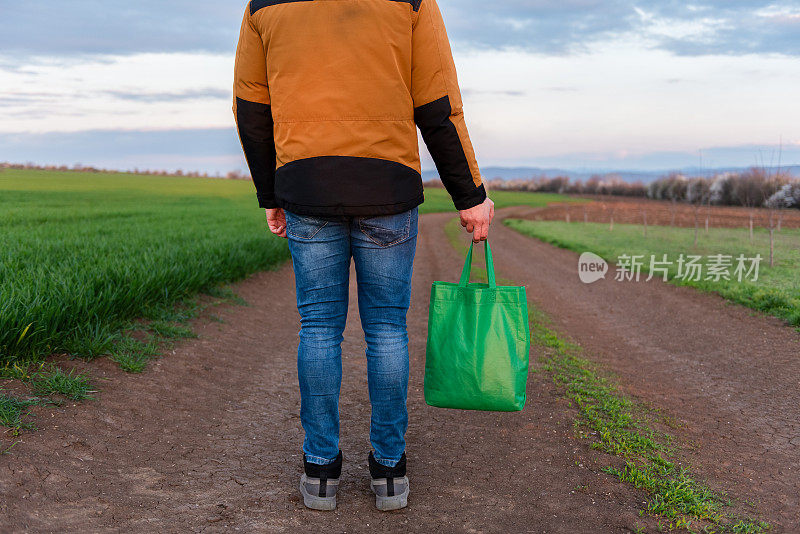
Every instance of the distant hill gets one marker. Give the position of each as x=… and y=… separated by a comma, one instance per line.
x=512, y=173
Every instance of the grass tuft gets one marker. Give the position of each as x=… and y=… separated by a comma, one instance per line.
x=226, y=294
x=13, y=411
x=132, y=355
x=170, y=330
x=20, y=370
x=75, y=386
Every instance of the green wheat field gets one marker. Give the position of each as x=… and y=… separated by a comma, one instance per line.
x=84, y=254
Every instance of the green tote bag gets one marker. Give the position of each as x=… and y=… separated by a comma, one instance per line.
x=478, y=344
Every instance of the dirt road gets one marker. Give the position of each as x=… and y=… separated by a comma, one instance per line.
x=208, y=439
x=731, y=376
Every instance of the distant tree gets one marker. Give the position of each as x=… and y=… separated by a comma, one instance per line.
x=788, y=196
x=722, y=189
x=637, y=189
x=554, y=185
x=749, y=187
x=675, y=191
x=576, y=188
x=592, y=186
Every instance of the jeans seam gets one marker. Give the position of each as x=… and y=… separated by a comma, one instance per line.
x=312, y=236
x=406, y=233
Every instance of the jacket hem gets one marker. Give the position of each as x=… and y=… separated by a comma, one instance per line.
x=350, y=211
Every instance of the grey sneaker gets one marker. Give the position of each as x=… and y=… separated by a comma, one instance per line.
x=320, y=483
x=389, y=484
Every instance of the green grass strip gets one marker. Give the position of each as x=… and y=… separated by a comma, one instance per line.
x=618, y=426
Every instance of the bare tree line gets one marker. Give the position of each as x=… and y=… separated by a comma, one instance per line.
x=596, y=185
x=753, y=188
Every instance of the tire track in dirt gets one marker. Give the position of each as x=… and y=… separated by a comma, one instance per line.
x=730, y=374
x=208, y=440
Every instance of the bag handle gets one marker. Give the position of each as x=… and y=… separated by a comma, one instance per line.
x=468, y=267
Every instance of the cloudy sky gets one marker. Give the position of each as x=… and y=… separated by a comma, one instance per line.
x=577, y=84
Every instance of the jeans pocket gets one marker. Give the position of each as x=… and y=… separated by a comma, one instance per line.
x=303, y=226
x=388, y=230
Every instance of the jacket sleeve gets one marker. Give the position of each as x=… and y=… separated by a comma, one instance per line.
x=252, y=111
x=438, y=109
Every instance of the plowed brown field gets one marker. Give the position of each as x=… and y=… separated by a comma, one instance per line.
x=662, y=213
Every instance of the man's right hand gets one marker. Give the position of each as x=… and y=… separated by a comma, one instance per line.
x=477, y=220
x=276, y=220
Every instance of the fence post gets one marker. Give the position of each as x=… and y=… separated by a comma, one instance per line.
x=644, y=214
x=771, y=247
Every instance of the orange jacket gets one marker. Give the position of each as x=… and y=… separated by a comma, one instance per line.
x=328, y=95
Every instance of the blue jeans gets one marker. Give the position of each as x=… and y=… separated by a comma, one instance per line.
x=383, y=251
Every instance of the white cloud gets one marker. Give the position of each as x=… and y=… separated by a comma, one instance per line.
x=87, y=94
x=625, y=97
